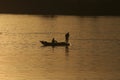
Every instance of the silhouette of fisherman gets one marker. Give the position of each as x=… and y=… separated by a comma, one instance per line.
x=54, y=41
x=67, y=37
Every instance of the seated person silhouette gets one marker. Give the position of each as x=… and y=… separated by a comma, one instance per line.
x=54, y=41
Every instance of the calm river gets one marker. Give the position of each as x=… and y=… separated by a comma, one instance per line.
x=92, y=55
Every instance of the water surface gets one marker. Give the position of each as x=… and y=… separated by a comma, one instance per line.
x=93, y=54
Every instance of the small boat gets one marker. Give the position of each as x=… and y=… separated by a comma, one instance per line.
x=45, y=43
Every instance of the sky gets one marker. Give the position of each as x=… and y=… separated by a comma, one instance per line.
x=80, y=7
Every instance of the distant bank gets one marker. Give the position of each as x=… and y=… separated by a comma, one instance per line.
x=62, y=7
x=65, y=12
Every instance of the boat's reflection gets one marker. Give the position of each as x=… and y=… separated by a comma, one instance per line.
x=66, y=51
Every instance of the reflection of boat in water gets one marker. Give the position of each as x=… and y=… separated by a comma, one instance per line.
x=45, y=43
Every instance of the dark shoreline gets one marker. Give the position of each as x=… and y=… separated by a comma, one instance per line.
x=62, y=13
x=61, y=7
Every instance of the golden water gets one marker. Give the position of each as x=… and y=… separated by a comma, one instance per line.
x=93, y=54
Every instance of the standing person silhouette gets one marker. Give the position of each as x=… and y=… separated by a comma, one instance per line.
x=67, y=37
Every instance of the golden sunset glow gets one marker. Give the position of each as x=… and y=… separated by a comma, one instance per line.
x=93, y=53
